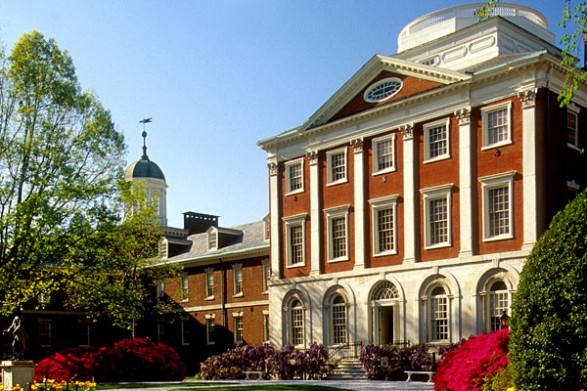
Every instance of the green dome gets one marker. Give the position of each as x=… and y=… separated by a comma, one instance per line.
x=144, y=168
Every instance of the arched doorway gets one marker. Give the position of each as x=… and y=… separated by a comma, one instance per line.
x=385, y=309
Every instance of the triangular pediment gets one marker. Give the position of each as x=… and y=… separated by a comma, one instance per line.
x=350, y=98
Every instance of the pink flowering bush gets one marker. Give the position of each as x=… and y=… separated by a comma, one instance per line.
x=286, y=363
x=135, y=359
x=479, y=358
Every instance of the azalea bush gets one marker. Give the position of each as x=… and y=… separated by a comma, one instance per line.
x=135, y=359
x=286, y=363
x=478, y=361
x=389, y=362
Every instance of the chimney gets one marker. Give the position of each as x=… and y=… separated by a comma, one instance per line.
x=196, y=223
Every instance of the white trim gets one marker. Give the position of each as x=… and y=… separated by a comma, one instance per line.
x=375, y=158
x=288, y=166
x=209, y=271
x=491, y=182
x=331, y=214
x=432, y=194
x=329, y=173
x=396, y=80
x=376, y=205
x=573, y=109
x=484, y=121
x=237, y=268
x=427, y=127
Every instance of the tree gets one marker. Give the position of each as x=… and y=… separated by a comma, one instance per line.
x=574, y=19
x=548, y=346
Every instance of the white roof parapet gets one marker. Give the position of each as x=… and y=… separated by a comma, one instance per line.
x=440, y=23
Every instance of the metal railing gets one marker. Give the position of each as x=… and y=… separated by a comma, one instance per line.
x=345, y=350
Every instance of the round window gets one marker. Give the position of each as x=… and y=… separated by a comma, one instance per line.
x=383, y=89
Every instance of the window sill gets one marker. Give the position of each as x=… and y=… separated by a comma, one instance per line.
x=298, y=191
x=437, y=245
x=341, y=259
x=574, y=147
x=386, y=171
x=184, y=300
x=209, y=298
x=211, y=343
x=241, y=294
x=295, y=265
x=498, y=238
x=385, y=253
x=339, y=182
x=437, y=159
x=496, y=145
x=265, y=292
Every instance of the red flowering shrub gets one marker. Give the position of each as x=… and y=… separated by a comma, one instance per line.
x=127, y=360
x=465, y=368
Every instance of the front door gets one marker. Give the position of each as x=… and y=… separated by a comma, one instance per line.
x=385, y=325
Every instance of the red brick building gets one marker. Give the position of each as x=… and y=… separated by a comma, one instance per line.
x=405, y=207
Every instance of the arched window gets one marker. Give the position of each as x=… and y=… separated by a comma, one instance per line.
x=438, y=312
x=385, y=290
x=339, y=320
x=499, y=302
x=297, y=323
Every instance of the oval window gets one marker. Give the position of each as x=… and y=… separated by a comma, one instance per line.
x=383, y=89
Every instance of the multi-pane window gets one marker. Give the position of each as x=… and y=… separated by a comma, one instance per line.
x=83, y=326
x=384, y=225
x=160, y=288
x=336, y=161
x=209, y=283
x=437, y=213
x=185, y=331
x=212, y=240
x=497, y=206
x=183, y=286
x=439, y=315
x=384, y=154
x=337, y=233
x=297, y=323
x=572, y=128
x=295, y=238
x=339, y=321
x=294, y=173
x=499, y=210
x=266, y=274
x=210, y=330
x=44, y=332
x=266, y=326
x=436, y=140
x=496, y=125
x=499, y=303
x=238, y=330
x=238, y=279
x=267, y=227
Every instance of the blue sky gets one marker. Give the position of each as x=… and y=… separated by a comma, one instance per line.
x=217, y=76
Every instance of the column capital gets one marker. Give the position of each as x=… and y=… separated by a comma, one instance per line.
x=273, y=168
x=357, y=144
x=464, y=115
x=312, y=156
x=407, y=131
x=528, y=97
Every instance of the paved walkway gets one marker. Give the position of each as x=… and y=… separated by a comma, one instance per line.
x=354, y=385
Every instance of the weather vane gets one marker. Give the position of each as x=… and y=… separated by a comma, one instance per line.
x=145, y=121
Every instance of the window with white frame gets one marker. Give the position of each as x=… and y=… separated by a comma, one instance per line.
x=294, y=176
x=185, y=330
x=438, y=315
x=183, y=287
x=295, y=234
x=267, y=228
x=83, y=327
x=210, y=325
x=266, y=326
x=573, y=126
x=339, y=320
x=337, y=230
x=160, y=289
x=266, y=274
x=44, y=335
x=384, y=225
x=437, y=140
x=336, y=166
x=238, y=328
x=498, y=206
x=499, y=303
x=437, y=216
x=297, y=323
x=496, y=123
x=384, y=154
x=237, y=270
x=209, y=283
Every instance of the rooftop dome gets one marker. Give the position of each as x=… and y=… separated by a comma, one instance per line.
x=144, y=168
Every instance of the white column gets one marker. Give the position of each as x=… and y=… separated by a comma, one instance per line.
x=274, y=216
x=359, y=207
x=530, y=167
x=315, y=237
x=409, y=194
x=465, y=182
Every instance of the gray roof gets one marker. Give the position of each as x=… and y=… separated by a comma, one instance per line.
x=252, y=239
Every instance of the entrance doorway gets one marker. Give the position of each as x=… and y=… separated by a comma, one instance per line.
x=386, y=325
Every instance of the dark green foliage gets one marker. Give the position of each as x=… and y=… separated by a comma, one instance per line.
x=549, y=324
